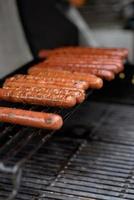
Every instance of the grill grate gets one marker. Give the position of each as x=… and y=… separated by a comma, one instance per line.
x=17, y=144
x=98, y=165
x=90, y=158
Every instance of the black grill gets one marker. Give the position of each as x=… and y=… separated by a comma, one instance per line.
x=90, y=158
x=18, y=144
x=99, y=165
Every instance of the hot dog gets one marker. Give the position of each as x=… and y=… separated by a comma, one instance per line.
x=87, y=57
x=111, y=51
x=82, y=59
x=122, y=52
x=106, y=63
x=30, y=118
x=34, y=96
x=103, y=74
x=92, y=80
x=110, y=67
x=49, y=54
x=49, y=80
x=78, y=93
x=35, y=83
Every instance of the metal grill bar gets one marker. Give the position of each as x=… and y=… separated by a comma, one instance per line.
x=100, y=170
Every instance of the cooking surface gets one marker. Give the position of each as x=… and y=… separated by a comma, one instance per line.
x=96, y=164
x=91, y=157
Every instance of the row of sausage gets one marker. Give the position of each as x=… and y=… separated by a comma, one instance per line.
x=61, y=80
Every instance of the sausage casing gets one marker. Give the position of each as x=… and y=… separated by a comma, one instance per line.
x=44, y=54
x=30, y=118
x=37, y=97
x=78, y=93
x=92, y=81
x=115, y=66
x=110, y=67
x=98, y=51
x=104, y=58
x=103, y=74
x=57, y=81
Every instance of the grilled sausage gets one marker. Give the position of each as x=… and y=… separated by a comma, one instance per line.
x=50, y=90
x=49, y=54
x=92, y=80
x=34, y=83
x=123, y=53
x=84, y=59
x=98, y=51
x=34, y=96
x=87, y=57
x=118, y=65
x=96, y=83
x=31, y=118
x=103, y=74
x=109, y=67
x=49, y=80
x=81, y=84
x=41, y=80
x=65, y=66
x=78, y=93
